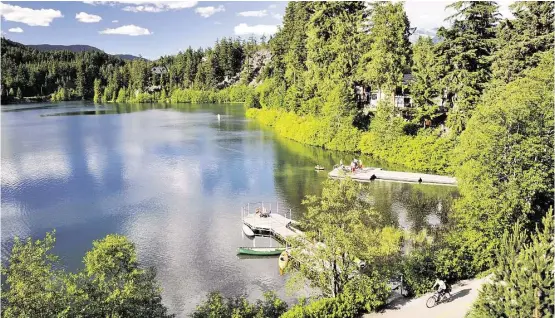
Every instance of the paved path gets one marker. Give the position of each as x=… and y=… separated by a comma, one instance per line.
x=463, y=294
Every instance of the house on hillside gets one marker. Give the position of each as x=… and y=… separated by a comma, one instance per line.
x=369, y=96
x=159, y=70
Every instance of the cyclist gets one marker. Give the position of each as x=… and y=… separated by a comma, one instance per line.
x=441, y=288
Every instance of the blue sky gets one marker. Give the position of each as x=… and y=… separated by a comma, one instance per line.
x=156, y=28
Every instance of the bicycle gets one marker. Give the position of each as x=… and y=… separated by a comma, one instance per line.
x=437, y=298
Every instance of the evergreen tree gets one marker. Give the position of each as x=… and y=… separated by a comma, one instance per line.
x=97, y=91
x=522, y=283
x=388, y=58
x=467, y=46
x=425, y=87
x=520, y=40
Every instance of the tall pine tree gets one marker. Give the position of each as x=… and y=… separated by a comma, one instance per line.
x=467, y=46
x=519, y=40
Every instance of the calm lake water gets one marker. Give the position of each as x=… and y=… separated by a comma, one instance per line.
x=172, y=178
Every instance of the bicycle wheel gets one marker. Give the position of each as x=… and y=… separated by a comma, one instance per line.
x=431, y=302
x=446, y=297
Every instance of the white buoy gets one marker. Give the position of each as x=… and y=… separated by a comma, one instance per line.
x=218, y=117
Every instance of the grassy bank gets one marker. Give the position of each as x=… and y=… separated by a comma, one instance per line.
x=427, y=151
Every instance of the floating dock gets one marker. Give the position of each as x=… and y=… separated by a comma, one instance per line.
x=371, y=174
x=272, y=222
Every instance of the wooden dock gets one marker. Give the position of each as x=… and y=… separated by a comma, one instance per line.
x=371, y=174
x=274, y=223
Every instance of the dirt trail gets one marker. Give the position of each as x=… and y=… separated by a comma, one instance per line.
x=463, y=294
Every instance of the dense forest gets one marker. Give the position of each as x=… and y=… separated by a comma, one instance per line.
x=477, y=104
x=65, y=75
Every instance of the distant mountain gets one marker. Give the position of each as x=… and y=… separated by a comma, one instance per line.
x=431, y=33
x=76, y=48
x=72, y=48
x=128, y=57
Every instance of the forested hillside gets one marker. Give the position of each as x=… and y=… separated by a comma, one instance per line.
x=326, y=50
x=65, y=75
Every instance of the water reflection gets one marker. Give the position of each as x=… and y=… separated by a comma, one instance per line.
x=173, y=179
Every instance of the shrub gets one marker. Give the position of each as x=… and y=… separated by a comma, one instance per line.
x=217, y=306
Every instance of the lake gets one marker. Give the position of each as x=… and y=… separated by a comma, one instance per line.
x=172, y=178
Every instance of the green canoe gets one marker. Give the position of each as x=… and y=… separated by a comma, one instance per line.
x=261, y=251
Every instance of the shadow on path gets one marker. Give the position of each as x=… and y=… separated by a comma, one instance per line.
x=459, y=294
x=396, y=303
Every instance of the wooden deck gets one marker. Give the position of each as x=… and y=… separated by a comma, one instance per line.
x=371, y=174
x=276, y=224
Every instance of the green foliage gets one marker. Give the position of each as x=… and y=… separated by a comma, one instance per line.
x=521, y=40
x=121, y=96
x=61, y=95
x=251, y=101
x=111, y=285
x=36, y=286
x=522, y=283
x=361, y=294
x=341, y=230
x=424, y=264
x=428, y=151
x=217, y=306
x=99, y=76
x=326, y=307
x=465, y=56
x=504, y=163
x=384, y=64
x=232, y=94
x=97, y=91
x=425, y=88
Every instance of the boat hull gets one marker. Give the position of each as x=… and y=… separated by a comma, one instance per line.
x=260, y=251
x=247, y=230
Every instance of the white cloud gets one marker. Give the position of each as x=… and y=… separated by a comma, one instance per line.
x=258, y=14
x=16, y=30
x=115, y=21
x=277, y=16
x=147, y=6
x=217, y=22
x=131, y=30
x=432, y=14
x=206, y=12
x=272, y=6
x=32, y=17
x=87, y=18
x=259, y=29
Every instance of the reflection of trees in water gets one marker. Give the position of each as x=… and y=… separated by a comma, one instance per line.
x=382, y=195
x=294, y=172
x=427, y=206
x=294, y=175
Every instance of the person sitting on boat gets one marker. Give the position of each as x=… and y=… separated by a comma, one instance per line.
x=264, y=213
